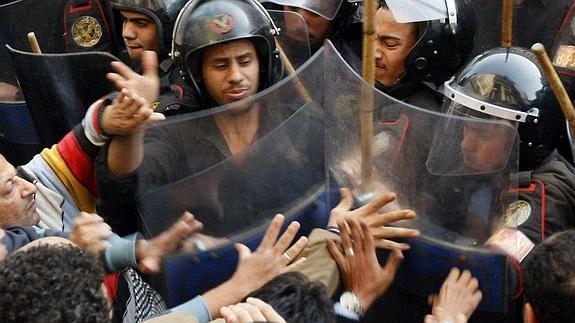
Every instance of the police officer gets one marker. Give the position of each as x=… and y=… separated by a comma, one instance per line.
x=336, y=20
x=508, y=84
x=412, y=56
x=147, y=25
x=227, y=52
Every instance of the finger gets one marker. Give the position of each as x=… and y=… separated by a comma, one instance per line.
x=228, y=315
x=464, y=278
x=293, y=266
x=367, y=239
x=131, y=102
x=453, y=275
x=356, y=236
x=345, y=236
x=287, y=237
x=270, y=315
x=472, y=285
x=429, y=319
x=297, y=247
x=390, y=217
x=243, y=250
x=393, y=232
x=98, y=247
x=336, y=254
x=346, y=202
x=272, y=232
x=149, y=265
x=117, y=80
x=376, y=204
x=122, y=70
x=390, y=245
x=392, y=264
x=156, y=116
x=242, y=315
x=150, y=63
x=255, y=315
x=477, y=297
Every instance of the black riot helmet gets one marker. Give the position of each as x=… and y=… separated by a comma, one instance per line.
x=446, y=36
x=509, y=84
x=204, y=23
x=162, y=12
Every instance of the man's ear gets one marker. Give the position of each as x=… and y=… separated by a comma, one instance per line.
x=528, y=314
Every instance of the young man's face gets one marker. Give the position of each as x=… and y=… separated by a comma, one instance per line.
x=17, y=198
x=140, y=33
x=318, y=27
x=231, y=71
x=485, y=148
x=393, y=43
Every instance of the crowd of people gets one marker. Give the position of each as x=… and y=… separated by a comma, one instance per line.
x=210, y=133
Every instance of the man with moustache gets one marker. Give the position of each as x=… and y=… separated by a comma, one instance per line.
x=228, y=53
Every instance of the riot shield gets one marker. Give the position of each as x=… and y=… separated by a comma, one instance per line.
x=293, y=39
x=189, y=166
x=59, y=88
x=424, y=157
x=328, y=9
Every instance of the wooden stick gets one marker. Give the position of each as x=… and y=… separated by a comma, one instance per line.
x=556, y=84
x=507, y=24
x=291, y=71
x=34, y=43
x=366, y=111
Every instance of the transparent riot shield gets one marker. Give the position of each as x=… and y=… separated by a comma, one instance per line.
x=428, y=160
x=59, y=88
x=293, y=39
x=327, y=9
x=190, y=165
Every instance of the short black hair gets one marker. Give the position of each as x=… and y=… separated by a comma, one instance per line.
x=297, y=299
x=52, y=283
x=550, y=278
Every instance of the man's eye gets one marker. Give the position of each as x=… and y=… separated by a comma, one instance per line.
x=245, y=62
x=9, y=191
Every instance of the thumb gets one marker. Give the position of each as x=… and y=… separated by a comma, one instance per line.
x=150, y=63
x=149, y=265
x=346, y=201
x=393, y=262
x=243, y=250
x=156, y=116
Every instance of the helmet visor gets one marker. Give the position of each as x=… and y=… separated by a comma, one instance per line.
x=407, y=11
x=469, y=142
x=325, y=8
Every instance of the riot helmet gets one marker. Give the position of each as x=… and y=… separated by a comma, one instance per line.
x=508, y=84
x=162, y=12
x=446, y=36
x=203, y=23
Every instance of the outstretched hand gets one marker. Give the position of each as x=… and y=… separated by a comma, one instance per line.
x=128, y=112
x=374, y=220
x=358, y=264
x=272, y=257
x=253, y=310
x=90, y=232
x=149, y=253
x=146, y=85
x=458, y=297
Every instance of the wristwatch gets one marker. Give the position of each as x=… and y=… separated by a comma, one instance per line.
x=350, y=302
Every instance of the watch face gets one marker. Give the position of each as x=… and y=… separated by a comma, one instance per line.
x=350, y=301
